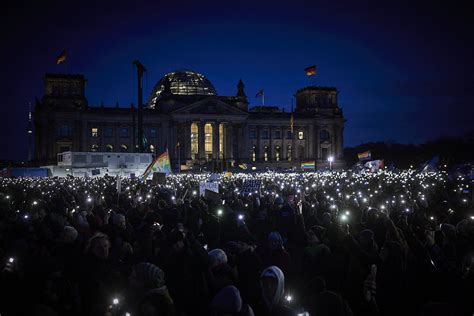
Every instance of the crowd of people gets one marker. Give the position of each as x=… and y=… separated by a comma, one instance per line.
x=325, y=243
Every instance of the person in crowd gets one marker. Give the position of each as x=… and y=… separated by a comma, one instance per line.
x=334, y=243
x=148, y=294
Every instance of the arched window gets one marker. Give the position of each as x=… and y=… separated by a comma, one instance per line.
x=324, y=135
x=194, y=141
x=94, y=147
x=152, y=148
x=109, y=148
x=123, y=148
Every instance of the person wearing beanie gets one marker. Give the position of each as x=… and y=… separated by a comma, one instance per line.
x=220, y=273
x=274, y=254
x=228, y=301
x=148, y=292
x=69, y=234
x=272, y=282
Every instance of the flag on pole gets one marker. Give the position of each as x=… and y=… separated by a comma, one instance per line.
x=431, y=165
x=310, y=71
x=366, y=155
x=260, y=93
x=160, y=164
x=61, y=58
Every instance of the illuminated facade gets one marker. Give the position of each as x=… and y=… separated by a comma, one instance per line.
x=185, y=115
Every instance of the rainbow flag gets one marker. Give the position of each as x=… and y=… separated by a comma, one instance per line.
x=366, y=155
x=309, y=165
x=160, y=164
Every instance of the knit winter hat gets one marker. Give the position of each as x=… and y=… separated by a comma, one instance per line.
x=227, y=300
x=149, y=274
x=69, y=234
x=218, y=255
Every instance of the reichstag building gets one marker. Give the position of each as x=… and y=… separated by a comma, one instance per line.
x=185, y=115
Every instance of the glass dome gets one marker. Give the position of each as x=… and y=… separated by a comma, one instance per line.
x=183, y=82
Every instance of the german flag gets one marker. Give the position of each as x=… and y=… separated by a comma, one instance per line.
x=310, y=71
x=61, y=58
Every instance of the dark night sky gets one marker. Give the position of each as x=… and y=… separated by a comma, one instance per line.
x=405, y=73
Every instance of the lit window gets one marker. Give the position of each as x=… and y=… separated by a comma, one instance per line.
x=277, y=153
x=300, y=135
x=265, y=153
x=152, y=148
x=94, y=132
x=208, y=139
x=221, y=141
x=123, y=148
x=194, y=140
x=109, y=148
x=94, y=147
x=254, y=153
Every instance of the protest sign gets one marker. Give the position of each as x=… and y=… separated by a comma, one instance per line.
x=250, y=186
x=211, y=186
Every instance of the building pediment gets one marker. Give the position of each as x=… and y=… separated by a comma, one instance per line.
x=209, y=106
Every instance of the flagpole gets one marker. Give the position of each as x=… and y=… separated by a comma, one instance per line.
x=179, y=158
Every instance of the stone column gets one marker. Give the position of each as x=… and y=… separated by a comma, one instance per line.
x=335, y=142
x=228, y=146
x=201, y=138
x=186, y=141
x=340, y=148
x=310, y=142
x=215, y=140
x=244, y=142
x=173, y=139
x=294, y=153
x=317, y=152
x=270, y=146
x=259, y=144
